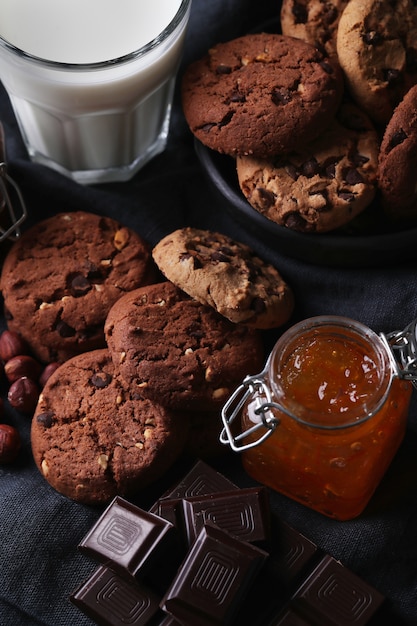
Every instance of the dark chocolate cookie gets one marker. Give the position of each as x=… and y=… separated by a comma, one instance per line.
x=227, y=275
x=260, y=94
x=93, y=437
x=398, y=160
x=178, y=351
x=61, y=277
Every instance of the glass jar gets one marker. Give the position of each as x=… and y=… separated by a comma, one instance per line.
x=323, y=421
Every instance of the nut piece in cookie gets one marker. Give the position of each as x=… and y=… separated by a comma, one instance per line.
x=61, y=277
x=260, y=94
x=177, y=351
x=321, y=187
x=93, y=437
x=398, y=160
x=377, y=50
x=314, y=21
x=226, y=275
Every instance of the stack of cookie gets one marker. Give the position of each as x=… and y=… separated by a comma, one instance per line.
x=151, y=344
x=304, y=112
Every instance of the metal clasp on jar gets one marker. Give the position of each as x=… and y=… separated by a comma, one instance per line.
x=402, y=346
x=252, y=387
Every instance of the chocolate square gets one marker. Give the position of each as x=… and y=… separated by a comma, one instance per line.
x=113, y=600
x=213, y=578
x=129, y=537
x=244, y=513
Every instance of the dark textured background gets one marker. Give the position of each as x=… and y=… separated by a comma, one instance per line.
x=40, y=529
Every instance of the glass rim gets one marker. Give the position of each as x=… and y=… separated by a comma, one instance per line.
x=332, y=322
x=98, y=65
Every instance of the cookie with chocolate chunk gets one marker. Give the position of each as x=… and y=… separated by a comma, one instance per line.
x=398, y=160
x=93, y=437
x=61, y=277
x=260, y=94
x=315, y=21
x=377, y=50
x=227, y=275
x=177, y=351
x=321, y=187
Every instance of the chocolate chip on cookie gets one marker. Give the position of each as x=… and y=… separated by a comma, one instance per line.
x=61, y=277
x=260, y=94
x=227, y=275
x=177, y=351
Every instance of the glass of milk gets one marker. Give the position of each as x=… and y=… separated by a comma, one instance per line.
x=91, y=81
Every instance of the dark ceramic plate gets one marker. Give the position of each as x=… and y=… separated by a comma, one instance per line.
x=370, y=240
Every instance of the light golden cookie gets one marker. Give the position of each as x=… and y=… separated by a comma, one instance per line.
x=398, y=160
x=377, y=50
x=314, y=21
x=322, y=187
x=226, y=275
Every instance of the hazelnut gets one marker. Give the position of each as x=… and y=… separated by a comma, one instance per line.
x=22, y=365
x=9, y=443
x=23, y=395
x=47, y=372
x=11, y=344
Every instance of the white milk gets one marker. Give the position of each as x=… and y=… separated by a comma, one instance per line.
x=94, y=123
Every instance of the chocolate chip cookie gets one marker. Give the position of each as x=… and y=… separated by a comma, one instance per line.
x=260, y=94
x=227, y=275
x=177, y=351
x=377, y=50
x=321, y=187
x=61, y=277
x=315, y=21
x=398, y=160
x=93, y=437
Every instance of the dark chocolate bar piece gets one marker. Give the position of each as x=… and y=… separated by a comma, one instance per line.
x=292, y=554
x=292, y=557
x=113, y=600
x=213, y=578
x=132, y=539
x=290, y=618
x=333, y=595
x=244, y=513
x=200, y=480
x=170, y=509
x=167, y=620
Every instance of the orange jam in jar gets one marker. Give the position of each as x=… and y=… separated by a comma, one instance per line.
x=334, y=411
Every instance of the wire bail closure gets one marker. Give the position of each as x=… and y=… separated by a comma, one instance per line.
x=252, y=386
x=11, y=199
x=402, y=346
